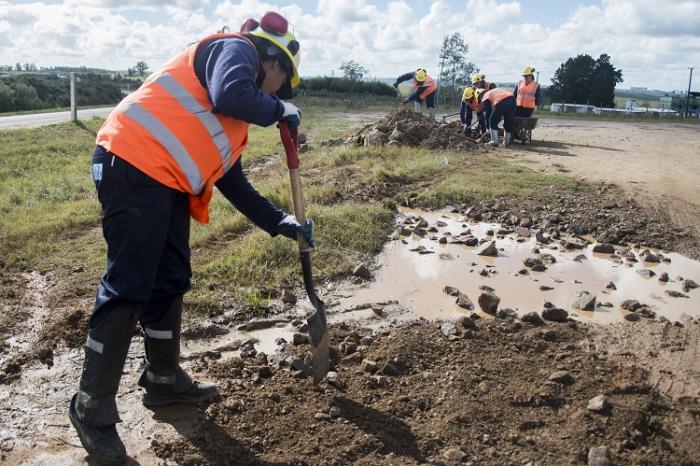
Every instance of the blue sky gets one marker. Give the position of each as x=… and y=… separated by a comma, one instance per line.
x=387, y=37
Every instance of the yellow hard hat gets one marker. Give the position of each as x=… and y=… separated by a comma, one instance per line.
x=468, y=93
x=478, y=77
x=285, y=42
x=528, y=71
x=420, y=75
x=478, y=93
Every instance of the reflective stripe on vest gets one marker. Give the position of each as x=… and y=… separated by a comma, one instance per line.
x=171, y=143
x=428, y=83
x=526, y=94
x=187, y=100
x=495, y=95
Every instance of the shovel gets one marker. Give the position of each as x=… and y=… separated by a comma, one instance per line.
x=318, y=326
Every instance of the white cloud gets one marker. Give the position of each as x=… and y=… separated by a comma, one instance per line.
x=388, y=40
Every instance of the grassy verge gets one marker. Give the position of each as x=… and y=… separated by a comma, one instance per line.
x=50, y=216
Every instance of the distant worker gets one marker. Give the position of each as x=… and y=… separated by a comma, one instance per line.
x=498, y=103
x=424, y=88
x=527, y=94
x=479, y=82
x=469, y=105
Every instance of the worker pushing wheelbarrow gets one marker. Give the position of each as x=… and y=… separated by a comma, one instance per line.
x=527, y=97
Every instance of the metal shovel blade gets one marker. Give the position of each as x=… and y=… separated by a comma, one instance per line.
x=317, y=322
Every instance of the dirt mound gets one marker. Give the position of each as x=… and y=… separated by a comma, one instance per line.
x=493, y=392
x=408, y=128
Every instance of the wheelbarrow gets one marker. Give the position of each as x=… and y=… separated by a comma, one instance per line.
x=523, y=128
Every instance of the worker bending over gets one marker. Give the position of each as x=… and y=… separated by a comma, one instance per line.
x=469, y=105
x=158, y=157
x=527, y=94
x=498, y=103
x=424, y=88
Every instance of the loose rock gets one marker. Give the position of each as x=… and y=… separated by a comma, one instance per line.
x=555, y=314
x=532, y=318
x=562, y=377
x=585, y=301
x=489, y=250
x=362, y=271
x=599, y=456
x=488, y=302
x=598, y=404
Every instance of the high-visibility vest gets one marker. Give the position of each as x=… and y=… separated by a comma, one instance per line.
x=474, y=104
x=167, y=130
x=495, y=95
x=428, y=83
x=526, y=94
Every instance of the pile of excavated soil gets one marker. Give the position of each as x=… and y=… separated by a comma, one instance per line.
x=493, y=392
x=408, y=128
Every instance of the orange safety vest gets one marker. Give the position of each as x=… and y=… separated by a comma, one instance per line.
x=429, y=83
x=474, y=104
x=167, y=130
x=495, y=95
x=526, y=94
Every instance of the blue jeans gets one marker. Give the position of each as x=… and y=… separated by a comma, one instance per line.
x=146, y=226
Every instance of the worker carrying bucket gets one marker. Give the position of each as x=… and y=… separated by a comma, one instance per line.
x=424, y=88
x=159, y=156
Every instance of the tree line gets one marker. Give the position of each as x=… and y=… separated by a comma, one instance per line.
x=39, y=91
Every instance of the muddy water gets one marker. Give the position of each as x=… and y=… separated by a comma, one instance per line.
x=408, y=285
x=417, y=280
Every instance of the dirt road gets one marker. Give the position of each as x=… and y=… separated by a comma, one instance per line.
x=652, y=161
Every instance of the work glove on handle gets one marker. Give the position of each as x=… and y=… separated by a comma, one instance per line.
x=406, y=100
x=289, y=227
x=291, y=115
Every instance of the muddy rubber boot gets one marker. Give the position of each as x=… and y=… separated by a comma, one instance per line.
x=164, y=380
x=431, y=114
x=417, y=107
x=494, y=137
x=506, y=139
x=93, y=410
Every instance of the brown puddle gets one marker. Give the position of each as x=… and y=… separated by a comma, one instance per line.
x=408, y=285
x=416, y=280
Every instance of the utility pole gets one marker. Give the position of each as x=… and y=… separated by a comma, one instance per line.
x=73, y=109
x=687, y=94
x=537, y=76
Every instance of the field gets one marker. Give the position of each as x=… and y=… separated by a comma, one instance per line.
x=447, y=385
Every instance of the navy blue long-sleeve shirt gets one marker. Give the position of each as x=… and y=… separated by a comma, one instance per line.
x=418, y=91
x=237, y=189
x=231, y=72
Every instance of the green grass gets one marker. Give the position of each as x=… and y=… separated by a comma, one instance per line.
x=50, y=216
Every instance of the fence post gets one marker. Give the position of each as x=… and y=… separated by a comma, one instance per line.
x=73, y=109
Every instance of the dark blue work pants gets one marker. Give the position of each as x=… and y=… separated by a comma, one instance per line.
x=146, y=226
x=523, y=112
x=504, y=109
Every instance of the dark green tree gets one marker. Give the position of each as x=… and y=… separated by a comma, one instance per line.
x=7, y=98
x=353, y=70
x=605, y=78
x=141, y=68
x=582, y=79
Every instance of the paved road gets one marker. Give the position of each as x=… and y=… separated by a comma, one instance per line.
x=40, y=119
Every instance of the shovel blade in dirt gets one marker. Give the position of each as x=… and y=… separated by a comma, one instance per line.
x=317, y=322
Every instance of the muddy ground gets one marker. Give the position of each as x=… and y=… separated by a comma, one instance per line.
x=482, y=391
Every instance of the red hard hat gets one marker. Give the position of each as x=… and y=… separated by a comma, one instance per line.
x=274, y=23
